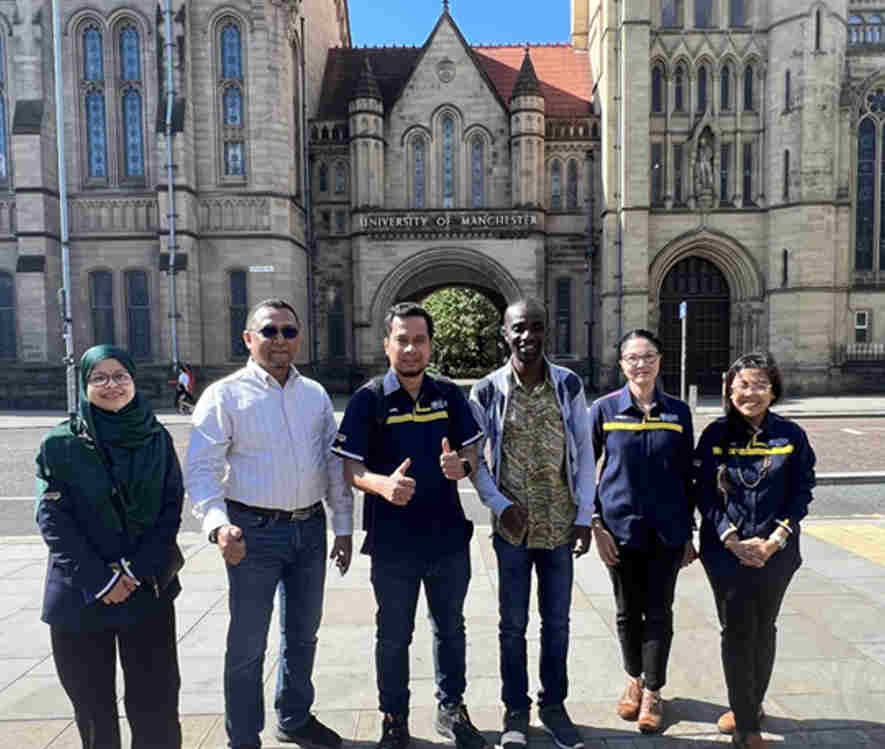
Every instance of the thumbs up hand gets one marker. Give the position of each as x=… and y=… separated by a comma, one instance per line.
x=451, y=463
x=400, y=487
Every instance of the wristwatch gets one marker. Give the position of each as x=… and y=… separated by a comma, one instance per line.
x=468, y=468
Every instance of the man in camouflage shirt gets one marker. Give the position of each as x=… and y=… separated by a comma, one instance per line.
x=539, y=488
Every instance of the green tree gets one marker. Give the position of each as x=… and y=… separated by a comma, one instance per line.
x=466, y=337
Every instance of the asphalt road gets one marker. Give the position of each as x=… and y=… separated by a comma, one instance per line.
x=840, y=444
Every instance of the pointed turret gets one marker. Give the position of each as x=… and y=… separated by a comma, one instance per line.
x=527, y=135
x=367, y=86
x=366, y=119
x=527, y=83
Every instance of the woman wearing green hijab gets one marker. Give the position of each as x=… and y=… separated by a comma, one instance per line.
x=109, y=498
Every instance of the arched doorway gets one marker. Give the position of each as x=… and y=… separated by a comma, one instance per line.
x=700, y=283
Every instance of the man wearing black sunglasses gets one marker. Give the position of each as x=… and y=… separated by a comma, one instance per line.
x=259, y=467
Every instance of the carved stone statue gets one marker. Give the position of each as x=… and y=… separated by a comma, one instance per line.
x=703, y=170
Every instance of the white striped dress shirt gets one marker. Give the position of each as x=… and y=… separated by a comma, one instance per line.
x=265, y=445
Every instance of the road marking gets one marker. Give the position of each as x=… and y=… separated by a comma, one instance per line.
x=866, y=540
x=853, y=431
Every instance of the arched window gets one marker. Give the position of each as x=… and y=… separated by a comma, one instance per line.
x=335, y=317
x=133, y=96
x=748, y=88
x=7, y=316
x=239, y=309
x=703, y=14
x=725, y=88
x=571, y=189
x=786, y=175
x=737, y=13
x=702, y=89
x=556, y=186
x=679, y=90
x=232, y=96
x=448, y=162
x=340, y=179
x=563, y=315
x=671, y=13
x=419, y=173
x=101, y=303
x=657, y=89
x=324, y=178
x=138, y=313
x=4, y=141
x=788, y=93
x=93, y=86
x=477, y=172
x=855, y=29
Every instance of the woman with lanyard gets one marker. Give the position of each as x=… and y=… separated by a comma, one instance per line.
x=755, y=475
x=109, y=497
x=643, y=442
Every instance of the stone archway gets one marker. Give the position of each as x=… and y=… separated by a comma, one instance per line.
x=429, y=270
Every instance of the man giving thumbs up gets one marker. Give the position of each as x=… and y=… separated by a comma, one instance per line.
x=406, y=440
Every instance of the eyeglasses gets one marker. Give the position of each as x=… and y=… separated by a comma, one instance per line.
x=101, y=380
x=272, y=331
x=634, y=360
x=750, y=387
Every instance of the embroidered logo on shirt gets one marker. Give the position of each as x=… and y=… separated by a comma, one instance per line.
x=623, y=417
x=442, y=403
x=669, y=417
x=52, y=496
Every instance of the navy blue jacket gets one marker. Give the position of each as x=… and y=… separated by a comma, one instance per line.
x=770, y=475
x=82, y=547
x=644, y=483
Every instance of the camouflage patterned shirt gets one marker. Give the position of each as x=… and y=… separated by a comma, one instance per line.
x=532, y=466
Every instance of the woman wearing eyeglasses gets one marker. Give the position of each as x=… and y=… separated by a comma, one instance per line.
x=109, y=498
x=642, y=523
x=755, y=476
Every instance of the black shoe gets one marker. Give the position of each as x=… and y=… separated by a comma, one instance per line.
x=312, y=735
x=556, y=722
x=394, y=732
x=454, y=723
x=516, y=728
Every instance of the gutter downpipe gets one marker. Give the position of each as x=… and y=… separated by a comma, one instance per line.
x=64, y=293
x=170, y=180
x=308, y=206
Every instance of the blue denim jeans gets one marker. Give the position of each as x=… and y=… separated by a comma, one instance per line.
x=396, y=585
x=555, y=571
x=291, y=555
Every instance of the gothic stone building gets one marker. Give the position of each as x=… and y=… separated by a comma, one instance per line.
x=726, y=153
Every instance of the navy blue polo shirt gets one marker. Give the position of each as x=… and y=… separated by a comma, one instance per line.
x=433, y=523
x=644, y=485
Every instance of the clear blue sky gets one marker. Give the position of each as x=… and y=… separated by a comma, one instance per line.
x=409, y=22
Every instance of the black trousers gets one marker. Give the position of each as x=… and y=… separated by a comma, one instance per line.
x=86, y=663
x=644, y=583
x=748, y=602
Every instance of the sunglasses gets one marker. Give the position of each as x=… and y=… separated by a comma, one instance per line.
x=272, y=331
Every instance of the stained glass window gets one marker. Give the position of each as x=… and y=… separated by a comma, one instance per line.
x=130, y=59
x=677, y=174
x=7, y=316
x=231, y=53
x=101, y=299
x=138, y=313
x=93, y=65
x=340, y=179
x=556, y=186
x=324, y=178
x=702, y=89
x=748, y=174
x=657, y=173
x=233, y=159
x=866, y=195
x=96, y=135
x=448, y=127
x=418, y=178
x=477, y=181
x=571, y=189
x=132, y=129
x=679, y=90
x=725, y=87
x=748, y=89
x=233, y=107
x=657, y=89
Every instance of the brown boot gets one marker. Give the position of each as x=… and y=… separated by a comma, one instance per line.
x=726, y=723
x=628, y=705
x=749, y=741
x=651, y=713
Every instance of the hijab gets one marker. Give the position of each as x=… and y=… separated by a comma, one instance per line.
x=134, y=445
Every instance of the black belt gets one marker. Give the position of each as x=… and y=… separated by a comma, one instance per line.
x=291, y=515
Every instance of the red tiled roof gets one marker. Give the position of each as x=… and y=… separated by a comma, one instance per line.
x=564, y=74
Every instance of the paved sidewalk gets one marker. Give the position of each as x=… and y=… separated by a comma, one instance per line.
x=828, y=688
